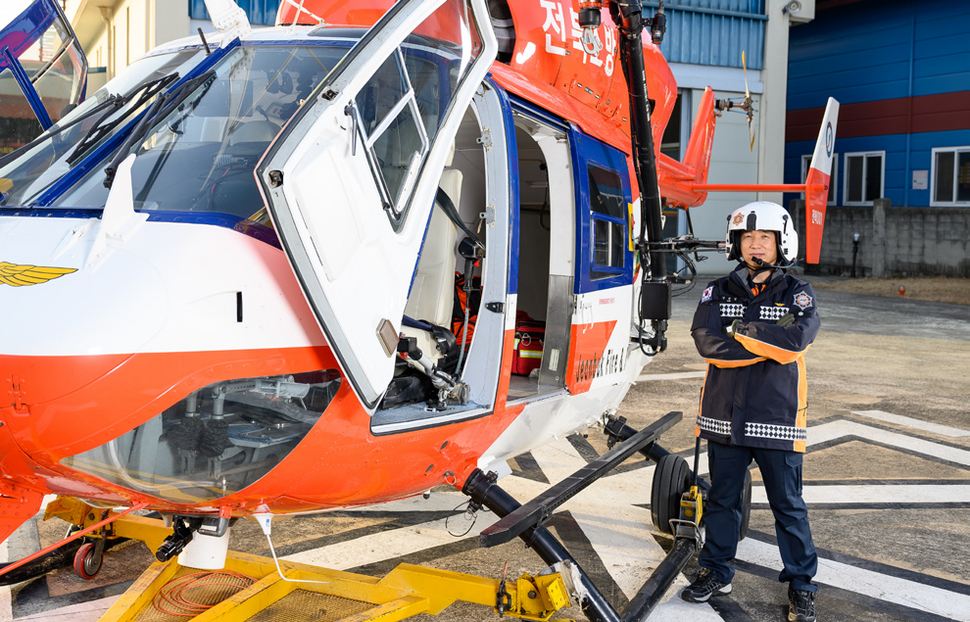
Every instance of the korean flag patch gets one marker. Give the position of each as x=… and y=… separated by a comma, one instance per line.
x=803, y=300
x=708, y=293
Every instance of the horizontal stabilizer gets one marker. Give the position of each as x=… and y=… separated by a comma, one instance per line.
x=698, y=153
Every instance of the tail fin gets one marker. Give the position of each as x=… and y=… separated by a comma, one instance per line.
x=677, y=179
x=698, y=152
x=817, y=183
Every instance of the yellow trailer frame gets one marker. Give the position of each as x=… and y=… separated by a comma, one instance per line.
x=301, y=591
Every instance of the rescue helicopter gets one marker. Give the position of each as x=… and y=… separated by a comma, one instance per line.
x=377, y=248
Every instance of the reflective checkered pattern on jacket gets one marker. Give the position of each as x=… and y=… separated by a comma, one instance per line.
x=731, y=309
x=781, y=432
x=714, y=425
x=772, y=313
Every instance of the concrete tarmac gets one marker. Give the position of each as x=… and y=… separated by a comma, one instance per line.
x=886, y=478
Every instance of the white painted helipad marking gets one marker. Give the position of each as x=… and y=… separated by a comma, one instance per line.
x=388, y=544
x=6, y=599
x=889, y=493
x=876, y=585
x=918, y=424
x=835, y=430
x=684, y=375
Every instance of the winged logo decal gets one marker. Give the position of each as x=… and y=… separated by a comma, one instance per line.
x=20, y=275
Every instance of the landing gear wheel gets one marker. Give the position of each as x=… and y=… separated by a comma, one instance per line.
x=671, y=479
x=745, y=505
x=88, y=560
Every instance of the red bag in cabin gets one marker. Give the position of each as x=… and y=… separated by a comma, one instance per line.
x=458, y=308
x=527, y=347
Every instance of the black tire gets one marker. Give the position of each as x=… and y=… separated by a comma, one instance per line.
x=671, y=480
x=745, y=505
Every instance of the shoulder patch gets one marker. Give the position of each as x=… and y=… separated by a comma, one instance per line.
x=708, y=293
x=803, y=300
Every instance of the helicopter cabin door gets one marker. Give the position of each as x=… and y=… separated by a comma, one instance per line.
x=351, y=180
x=604, y=268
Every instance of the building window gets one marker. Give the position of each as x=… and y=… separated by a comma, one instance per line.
x=951, y=176
x=833, y=176
x=864, y=174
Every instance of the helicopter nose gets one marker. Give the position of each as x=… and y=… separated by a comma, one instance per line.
x=68, y=322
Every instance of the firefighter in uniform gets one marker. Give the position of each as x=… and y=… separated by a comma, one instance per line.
x=753, y=327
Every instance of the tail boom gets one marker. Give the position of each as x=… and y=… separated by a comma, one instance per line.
x=816, y=186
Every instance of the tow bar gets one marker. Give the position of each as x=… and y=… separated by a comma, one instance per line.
x=525, y=521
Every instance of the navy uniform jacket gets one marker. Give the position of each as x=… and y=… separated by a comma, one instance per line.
x=755, y=392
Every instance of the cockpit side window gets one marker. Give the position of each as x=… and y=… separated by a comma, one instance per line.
x=56, y=68
x=395, y=137
x=401, y=108
x=608, y=215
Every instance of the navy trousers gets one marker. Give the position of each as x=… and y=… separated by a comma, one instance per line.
x=782, y=475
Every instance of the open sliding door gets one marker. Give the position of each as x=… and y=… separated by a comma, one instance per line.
x=351, y=180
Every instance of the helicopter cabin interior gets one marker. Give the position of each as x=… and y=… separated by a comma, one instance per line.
x=512, y=177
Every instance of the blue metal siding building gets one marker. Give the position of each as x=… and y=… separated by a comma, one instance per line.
x=901, y=70
x=713, y=32
x=700, y=32
x=260, y=12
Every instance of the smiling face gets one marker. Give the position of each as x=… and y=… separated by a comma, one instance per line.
x=760, y=244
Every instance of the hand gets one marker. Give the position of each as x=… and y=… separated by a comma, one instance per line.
x=786, y=320
x=731, y=329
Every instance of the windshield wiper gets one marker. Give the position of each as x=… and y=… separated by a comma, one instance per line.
x=112, y=101
x=100, y=129
x=159, y=110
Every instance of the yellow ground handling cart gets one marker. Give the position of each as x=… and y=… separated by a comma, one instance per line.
x=256, y=588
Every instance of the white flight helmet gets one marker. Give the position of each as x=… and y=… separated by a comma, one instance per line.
x=763, y=216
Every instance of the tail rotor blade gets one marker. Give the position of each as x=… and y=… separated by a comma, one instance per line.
x=744, y=68
x=749, y=110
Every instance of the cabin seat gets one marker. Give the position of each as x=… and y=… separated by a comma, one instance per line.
x=433, y=289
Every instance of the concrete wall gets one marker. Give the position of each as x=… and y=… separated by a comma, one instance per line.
x=893, y=240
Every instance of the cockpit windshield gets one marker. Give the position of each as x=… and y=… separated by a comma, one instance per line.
x=196, y=145
x=31, y=171
x=198, y=126
x=202, y=146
